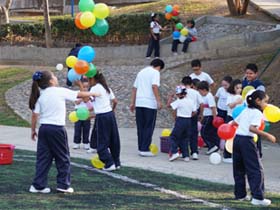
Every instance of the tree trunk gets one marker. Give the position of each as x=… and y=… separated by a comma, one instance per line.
x=232, y=8
x=8, y=4
x=245, y=7
x=47, y=21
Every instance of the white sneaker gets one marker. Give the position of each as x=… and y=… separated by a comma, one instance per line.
x=174, y=156
x=68, y=190
x=148, y=58
x=213, y=149
x=86, y=146
x=264, y=202
x=195, y=156
x=146, y=154
x=118, y=167
x=186, y=159
x=227, y=160
x=90, y=150
x=246, y=198
x=111, y=168
x=76, y=146
x=175, y=53
x=46, y=190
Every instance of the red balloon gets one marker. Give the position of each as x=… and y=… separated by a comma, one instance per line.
x=200, y=142
x=262, y=126
x=81, y=67
x=175, y=13
x=226, y=131
x=78, y=22
x=217, y=122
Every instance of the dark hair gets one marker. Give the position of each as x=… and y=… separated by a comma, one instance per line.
x=203, y=85
x=232, y=86
x=191, y=22
x=153, y=16
x=157, y=62
x=78, y=45
x=41, y=79
x=253, y=67
x=187, y=80
x=84, y=79
x=195, y=82
x=227, y=79
x=99, y=78
x=196, y=63
x=251, y=99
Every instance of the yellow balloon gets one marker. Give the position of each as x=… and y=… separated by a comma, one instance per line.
x=71, y=61
x=229, y=145
x=246, y=90
x=153, y=148
x=96, y=162
x=73, y=117
x=184, y=32
x=101, y=11
x=87, y=19
x=255, y=138
x=165, y=132
x=272, y=113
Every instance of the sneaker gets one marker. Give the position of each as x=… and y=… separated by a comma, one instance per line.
x=46, y=190
x=148, y=58
x=86, y=146
x=213, y=149
x=195, y=156
x=175, y=53
x=118, y=167
x=227, y=160
x=68, y=190
x=186, y=159
x=76, y=146
x=111, y=168
x=146, y=154
x=90, y=150
x=264, y=202
x=246, y=198
x=174, y=156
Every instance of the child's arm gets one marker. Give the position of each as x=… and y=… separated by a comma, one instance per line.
x=114, y=104
x=156, y=93
x=255, y=130
x=174, y=114
x=34, y=120
x=201, y=109
x=133, y=99
x=214, y=111
x=234, y=104
x=169, y=100
x=83, y=94
x=77, y=102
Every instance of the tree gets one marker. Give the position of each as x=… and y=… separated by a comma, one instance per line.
x=4, y=11
x=47, y=22
x=238, y=7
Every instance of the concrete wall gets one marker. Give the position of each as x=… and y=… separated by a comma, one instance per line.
x=31, y=4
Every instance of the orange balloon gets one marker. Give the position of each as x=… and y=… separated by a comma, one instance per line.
x=168, y=16
x=78, y=22
x=176, y=7
x=262, y=126
x=81, y=67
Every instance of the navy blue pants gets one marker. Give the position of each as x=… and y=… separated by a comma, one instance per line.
x=209, y=132
x=153, y=45
x=186, y=44
x=82, y=128
x=145, y=121
x=226, y=153
x=52, y=144
x=180, y=136
x=222, y=114
x=93, y=137
x=175, y=45
x=246, y=161
x=108, y=139
x=194, y=135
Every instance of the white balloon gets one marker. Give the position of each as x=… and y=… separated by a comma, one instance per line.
x=59, y=67
x=182, y=38
x=215, y=158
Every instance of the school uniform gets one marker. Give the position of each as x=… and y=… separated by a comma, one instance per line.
x=181, y=132
x=189, y=39
x=154, y=43
x=52, y=136
x=202, y=77
x=107, y=133
x=208, y=131
x=246, y=159
x=146, y=106
x=222, y=96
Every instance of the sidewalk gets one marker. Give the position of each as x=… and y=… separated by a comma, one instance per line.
x=271, y=7
x=201, y=169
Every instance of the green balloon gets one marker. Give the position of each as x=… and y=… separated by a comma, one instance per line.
x=86, y=5
x=82, y=113
x=92, y=71
x=267, y=126
x=179, y=26
x=100, y=28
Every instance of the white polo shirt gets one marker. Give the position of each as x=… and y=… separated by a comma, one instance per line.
x=195, y=97
x=155, y=27
x=184, y=107
x=144, y=81
x=222, y=96
x=202, y=77
x=231, y=99
x=51, y=105
x=208, y=103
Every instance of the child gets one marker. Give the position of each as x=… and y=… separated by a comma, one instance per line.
x=49, y=103
x=82, y=127
x=208, y=131
x=246, y=160
x=198, y=74
x=234, y=98
x=221, y=96
x=198, y=103
x=195, y=83
x=107, y=133
x=179, y=137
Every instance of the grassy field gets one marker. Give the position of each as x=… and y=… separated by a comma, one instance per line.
x=98, y=191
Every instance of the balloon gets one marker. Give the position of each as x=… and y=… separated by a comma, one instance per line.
x=86, y=5
x=262, y=126
x=176, y=35
x=87, y=19
x=92, y=71
x=73, y=76
x=168, y=9
x=226, y=131
x=215, y=158
x=272, y=113
x=267, y=126
x=199, y=126
x=176, y=7
x=229, y=145
x=87, y=54
x=101, y=11
x=179, y=26
x=78, y=21
x=82, y=113
x=237, y=110
x=81, y=67
x=165, y=132
x=255, y=138
x=184, y=32
x=96, y=162
x=71, y=61
x=100, y=28
x=59, y=67
x=182, y=38
x=200, y=142
x=73, y=117
x=246, y=90
x=175, y=13
x=217, y=121
x=168, y=16
x=153, y=148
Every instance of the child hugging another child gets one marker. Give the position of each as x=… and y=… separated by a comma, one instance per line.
x=47, y=102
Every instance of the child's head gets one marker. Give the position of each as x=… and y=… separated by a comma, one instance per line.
x=203, y=88
x=85, y=83
x=154, y=17
x=226, y=82
x=157, y=64
x=99, y=78
x=235, y=87
x=251, y=72
x=187, y=81
x=258, y=100
x=196, y=66
x=190, y=23
x=181, y=92
x=195, y=83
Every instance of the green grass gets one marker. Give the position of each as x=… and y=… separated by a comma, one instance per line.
x=9, y=77
x=97, y=191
